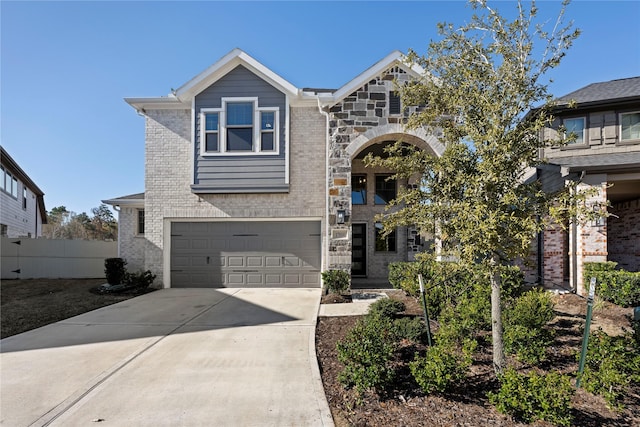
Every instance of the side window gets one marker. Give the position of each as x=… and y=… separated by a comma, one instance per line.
x=24, y=197
x=359, y=189
x=140, y=221
x=211, y=135
x=385, y=243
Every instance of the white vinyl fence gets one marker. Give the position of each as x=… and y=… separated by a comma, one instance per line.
x=53, y=259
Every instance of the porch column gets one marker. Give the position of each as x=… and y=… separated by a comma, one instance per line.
x=591, y=237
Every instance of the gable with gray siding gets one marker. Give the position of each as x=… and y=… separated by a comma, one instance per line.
x=247, y=173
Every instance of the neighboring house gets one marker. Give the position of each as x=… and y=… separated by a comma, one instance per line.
x=603, y=152
x=22, y=210
x=251, y=181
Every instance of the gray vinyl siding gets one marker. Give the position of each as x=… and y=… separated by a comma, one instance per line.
x=246, y=173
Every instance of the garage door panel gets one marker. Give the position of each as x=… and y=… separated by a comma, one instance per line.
x=255, y=261
x=254, y=279
x=239, y=254
x=273, y=261
x=235, y=261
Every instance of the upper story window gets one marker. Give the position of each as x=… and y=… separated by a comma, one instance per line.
x=24, y=197
x=359, y=189
x=630, y=126
x=239, y=127
x=9, y=183
x=385, y=189
x=574, y=130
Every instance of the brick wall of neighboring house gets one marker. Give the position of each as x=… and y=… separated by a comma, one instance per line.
x=131, y=244
x=555, y=252
x=624, y=235
x=169, y=169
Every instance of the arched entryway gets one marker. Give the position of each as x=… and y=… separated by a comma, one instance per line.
x=372, y=188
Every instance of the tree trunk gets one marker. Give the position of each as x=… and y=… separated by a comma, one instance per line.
x=499, y=362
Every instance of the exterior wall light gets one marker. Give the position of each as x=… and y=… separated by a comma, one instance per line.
x=340, y=216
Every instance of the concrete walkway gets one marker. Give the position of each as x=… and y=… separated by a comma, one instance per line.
x=175, y=357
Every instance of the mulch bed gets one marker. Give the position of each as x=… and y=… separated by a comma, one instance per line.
x=404, y=404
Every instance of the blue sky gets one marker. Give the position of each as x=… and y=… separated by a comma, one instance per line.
x=66, y=67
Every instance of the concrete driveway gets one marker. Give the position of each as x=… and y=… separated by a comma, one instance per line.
x=174, y=357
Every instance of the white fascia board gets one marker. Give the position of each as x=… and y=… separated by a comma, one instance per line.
x=133, y=203
x=394, y=58
x=225, y=65
x=157, y=103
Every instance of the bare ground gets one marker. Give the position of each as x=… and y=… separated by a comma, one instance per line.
x=404, y=404
x=30, y=304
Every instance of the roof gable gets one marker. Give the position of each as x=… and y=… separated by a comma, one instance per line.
x=394, y=59
x=225, y=65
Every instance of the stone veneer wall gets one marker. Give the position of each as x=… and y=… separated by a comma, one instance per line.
x=169, y=169
x=624, y=235
x=363, y=110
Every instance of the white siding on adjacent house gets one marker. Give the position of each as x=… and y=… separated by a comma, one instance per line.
x=20, y=222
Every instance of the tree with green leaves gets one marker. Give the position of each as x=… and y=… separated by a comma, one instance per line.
x=481, y=81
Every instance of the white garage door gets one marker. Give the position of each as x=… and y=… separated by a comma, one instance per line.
x=245, y=254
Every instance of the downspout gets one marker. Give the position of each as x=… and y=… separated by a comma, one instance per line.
x=115, y=208
x=326, y=185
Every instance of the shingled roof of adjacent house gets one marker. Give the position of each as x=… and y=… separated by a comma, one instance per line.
x=613, y=91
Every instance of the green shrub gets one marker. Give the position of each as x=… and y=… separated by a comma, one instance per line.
x=612, y=365
x=467, y=317
x=410, y=328
x=530, y=397
x=140, y=280
x=115, y=271
x=386, y=307
x=336, y=280
x=617, y=286
x=366, y=352
x=441, y=368
x=525, y=331
x=445, y=282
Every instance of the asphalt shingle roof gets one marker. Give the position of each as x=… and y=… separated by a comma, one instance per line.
x=605, y=91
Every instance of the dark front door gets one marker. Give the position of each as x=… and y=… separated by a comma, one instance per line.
x=359, y=249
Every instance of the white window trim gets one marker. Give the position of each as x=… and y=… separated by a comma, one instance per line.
x=222, y=129
x=585, y=139
x=626, y=141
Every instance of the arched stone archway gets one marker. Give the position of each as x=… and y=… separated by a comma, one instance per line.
x=395, y=132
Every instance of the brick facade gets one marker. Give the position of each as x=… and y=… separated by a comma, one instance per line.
x=168, y=177
x=624, y=232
